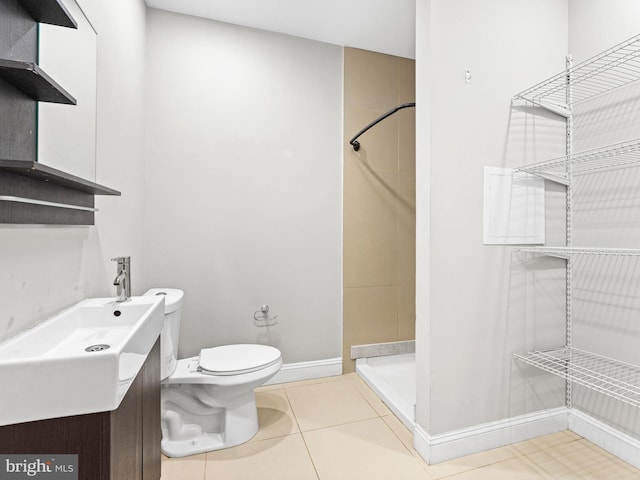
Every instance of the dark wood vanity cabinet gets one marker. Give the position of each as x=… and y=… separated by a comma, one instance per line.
x=120, y=445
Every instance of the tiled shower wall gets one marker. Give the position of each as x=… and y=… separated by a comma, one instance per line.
x=379, y=202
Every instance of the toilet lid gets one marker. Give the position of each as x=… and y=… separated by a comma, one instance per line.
x=237, y=359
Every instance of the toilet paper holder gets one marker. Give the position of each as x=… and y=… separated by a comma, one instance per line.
x=262, y=318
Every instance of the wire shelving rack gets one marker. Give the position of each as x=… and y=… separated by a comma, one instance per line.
x=590, y=161
x=611, y=69
x=568, y=252
x=610, y=377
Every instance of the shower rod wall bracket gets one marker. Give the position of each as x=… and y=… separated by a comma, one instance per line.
x=356, y=145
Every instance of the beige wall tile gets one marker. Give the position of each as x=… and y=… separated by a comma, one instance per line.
x=407, y=140
x=406, y=312
x=370, y=79
x=379, y=145
x=370, y=240
x=406, y=229
x=407, y=196
x=406, y=80
x=379, y=199
x=372, y=314
x=348, y=365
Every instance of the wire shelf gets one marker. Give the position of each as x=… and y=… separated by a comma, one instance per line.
x=568, y=252
x=590, y=161
x=613, y=378
x=611, y=69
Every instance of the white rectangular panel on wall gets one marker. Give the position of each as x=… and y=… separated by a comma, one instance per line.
x=513, y=207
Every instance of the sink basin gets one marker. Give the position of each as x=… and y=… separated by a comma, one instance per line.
x=82, y=360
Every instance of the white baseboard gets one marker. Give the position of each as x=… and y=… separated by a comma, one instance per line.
x=458, y=443
x=613, y=441
x=446, y=446
x=293, y=372
x=478, y=438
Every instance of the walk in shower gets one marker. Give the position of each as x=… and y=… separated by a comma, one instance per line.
x=379, y=226
x=393, y=378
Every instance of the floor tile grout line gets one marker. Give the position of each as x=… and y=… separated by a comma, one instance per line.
x=350, y=422
x=563, y=460
x=293, y=387
x=371, y=404
x=306, y=446
x=473, y=469
x=318, y=381
x=293, y=412
x=295, y=417
x=542, y=470
x=412, y=450
x=551, y=450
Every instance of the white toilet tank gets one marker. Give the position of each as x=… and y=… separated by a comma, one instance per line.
x=170, y=328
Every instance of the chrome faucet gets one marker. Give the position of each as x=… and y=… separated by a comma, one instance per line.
x=123, y=278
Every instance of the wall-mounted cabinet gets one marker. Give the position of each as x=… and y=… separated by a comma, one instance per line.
x=30, y=191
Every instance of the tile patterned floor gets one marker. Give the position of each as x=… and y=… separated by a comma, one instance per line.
x=337, y=429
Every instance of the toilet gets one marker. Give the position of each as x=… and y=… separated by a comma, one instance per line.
x=208, y=401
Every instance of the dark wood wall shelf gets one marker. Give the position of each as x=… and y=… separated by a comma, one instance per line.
x=52, y=12
x=33, y=193
x=30, y=79
x=44, y=173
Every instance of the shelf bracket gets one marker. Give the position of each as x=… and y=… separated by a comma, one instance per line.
x=561, y=110
x=549, y=176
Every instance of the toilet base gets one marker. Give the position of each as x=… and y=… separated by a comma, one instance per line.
x=190, y=427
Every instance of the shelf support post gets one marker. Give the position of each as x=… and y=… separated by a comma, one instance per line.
x=569, y=225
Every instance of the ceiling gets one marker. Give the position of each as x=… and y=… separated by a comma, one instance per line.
x=385, y=26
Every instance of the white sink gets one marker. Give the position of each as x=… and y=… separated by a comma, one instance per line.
x=47, y=372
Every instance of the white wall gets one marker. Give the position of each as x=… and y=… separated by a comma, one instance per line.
x=606, y=211
x=44, y=268
x=474, y=307
x=595, y=26
x=244, y=182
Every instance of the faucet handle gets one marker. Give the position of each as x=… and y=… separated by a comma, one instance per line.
x=121, y=259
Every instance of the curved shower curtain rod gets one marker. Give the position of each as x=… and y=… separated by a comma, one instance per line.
x=356, y=145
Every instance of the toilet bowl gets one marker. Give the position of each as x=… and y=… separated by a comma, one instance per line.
x=208, y=401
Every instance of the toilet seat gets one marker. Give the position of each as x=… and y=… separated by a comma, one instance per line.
x=237, y=359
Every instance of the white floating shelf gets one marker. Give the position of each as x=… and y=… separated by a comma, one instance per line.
x=610, y=377
x=611, y=69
